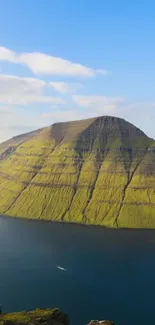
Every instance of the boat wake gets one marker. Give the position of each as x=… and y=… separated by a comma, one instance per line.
x=61, y=268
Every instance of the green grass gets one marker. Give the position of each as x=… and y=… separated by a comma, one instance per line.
x=31, y=317
x=21, y=317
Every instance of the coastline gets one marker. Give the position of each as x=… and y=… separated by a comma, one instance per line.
x=75, y=223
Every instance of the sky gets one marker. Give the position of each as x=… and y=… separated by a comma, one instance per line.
x=65, y=60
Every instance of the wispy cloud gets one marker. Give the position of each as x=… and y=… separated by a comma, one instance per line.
x=99, y=104
x=61, y=116
x=41, y=63
x=16, y=90
x=65, y=87
x=86, y=107
x=14, y=121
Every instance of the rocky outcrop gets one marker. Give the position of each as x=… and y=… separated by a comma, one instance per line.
x=101, y=322
x=43, y=317
x=36, y=317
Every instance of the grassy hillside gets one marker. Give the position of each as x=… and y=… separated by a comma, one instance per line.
x=97, y=171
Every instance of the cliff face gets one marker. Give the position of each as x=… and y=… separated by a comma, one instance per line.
x=41, y=317
x=97, y=171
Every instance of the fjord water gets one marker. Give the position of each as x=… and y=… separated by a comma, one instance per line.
x=110, y=273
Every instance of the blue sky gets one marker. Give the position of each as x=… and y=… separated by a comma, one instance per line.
x=64, y=60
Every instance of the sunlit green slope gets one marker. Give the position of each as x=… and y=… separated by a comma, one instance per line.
x=96, y=171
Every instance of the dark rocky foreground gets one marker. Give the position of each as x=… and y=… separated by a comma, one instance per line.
x=42, y=317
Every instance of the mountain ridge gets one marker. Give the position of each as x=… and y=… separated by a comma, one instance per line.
x=93, y=171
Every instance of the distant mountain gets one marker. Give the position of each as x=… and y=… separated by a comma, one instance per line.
x=96, y=171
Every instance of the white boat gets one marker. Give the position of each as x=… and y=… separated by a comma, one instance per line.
x=61, y=268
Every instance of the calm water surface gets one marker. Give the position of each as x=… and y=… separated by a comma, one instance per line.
x=110, y=273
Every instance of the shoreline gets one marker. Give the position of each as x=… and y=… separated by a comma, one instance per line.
x=74, y=223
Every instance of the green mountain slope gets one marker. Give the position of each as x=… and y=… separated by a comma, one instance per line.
x=97, y=171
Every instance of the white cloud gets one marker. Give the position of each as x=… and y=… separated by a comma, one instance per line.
x=99, y=104
x=5, y=110
x=8, y=55
x=41, y=63
x=61, y=116
x=103, y=72
x=65, y=87
x=89, y=106
x=17, y=90
x=14, y=121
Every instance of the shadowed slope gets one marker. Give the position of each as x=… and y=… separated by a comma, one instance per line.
x=96, y=171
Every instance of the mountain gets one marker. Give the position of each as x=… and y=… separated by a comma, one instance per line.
x=96, y=171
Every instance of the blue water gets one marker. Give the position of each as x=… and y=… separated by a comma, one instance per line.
x=110, y=273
